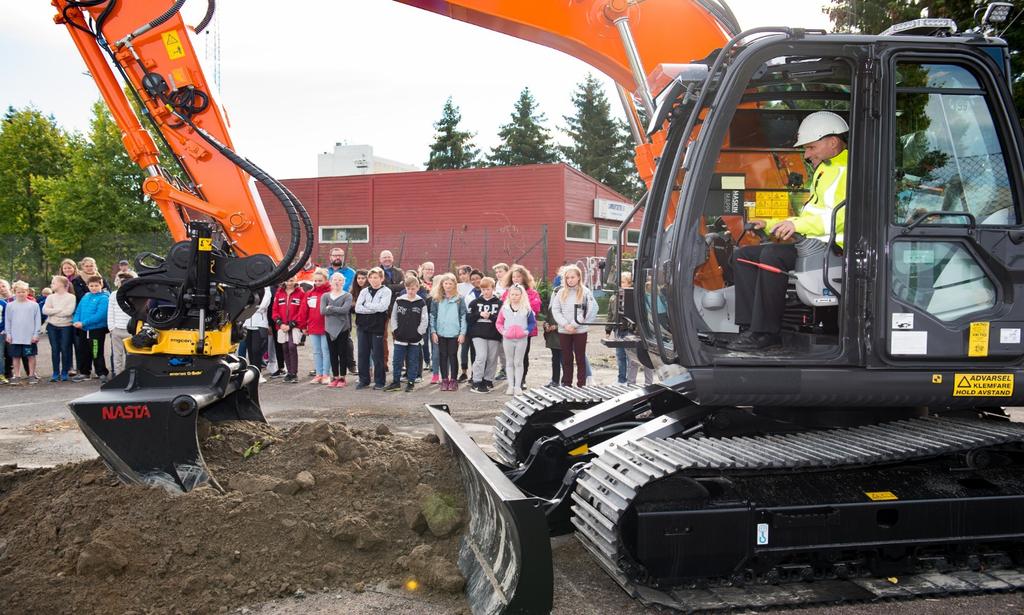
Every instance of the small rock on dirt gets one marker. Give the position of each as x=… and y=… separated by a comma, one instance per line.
x=100, y=558
x=305, y=479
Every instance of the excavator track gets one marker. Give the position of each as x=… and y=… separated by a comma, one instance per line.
x=527, y=417
x=610, y=485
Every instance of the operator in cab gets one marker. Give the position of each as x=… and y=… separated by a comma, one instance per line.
x=761, y=290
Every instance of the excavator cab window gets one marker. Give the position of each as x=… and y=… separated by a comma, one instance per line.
x=761, y=175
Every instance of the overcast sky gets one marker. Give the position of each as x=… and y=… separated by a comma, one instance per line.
x=295, y=81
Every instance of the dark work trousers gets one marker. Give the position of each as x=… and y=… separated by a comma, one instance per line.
x=556, y=364
x=94, y=359
x=468, y=353
x=81, y=352
x=291, y=356
x=448, y=356
x=371, y=345
x=340, y=349
x=574, y=346
x=256, y=346
x=761, y=294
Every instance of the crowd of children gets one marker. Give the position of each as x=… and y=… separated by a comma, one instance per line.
x=435, y=321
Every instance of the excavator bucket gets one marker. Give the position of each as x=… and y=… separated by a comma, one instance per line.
x=506, y=553
x=143, y=423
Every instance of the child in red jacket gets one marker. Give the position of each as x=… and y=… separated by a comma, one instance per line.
x=315, y=328
x=289, y=316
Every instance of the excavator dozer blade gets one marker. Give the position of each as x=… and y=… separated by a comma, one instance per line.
x=506, y=552
x=143, y=423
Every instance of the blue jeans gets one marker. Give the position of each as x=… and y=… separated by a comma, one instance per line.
x=61, y=345
x=321, y=354
x=623, y=363
x=406, y=356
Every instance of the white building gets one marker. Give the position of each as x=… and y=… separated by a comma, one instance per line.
x=357, y=160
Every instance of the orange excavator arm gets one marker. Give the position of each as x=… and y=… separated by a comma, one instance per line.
x=147, y=42
x=634, y=42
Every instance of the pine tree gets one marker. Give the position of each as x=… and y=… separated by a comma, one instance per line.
x=32, y=147
x=600, y=143
x=524, y=140
x=452, y=148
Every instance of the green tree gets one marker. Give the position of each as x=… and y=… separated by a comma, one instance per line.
x=98, y=208
x=524, y=140
x=600, y=143
x=874, y=16
x=32, y=146
x=452, y=148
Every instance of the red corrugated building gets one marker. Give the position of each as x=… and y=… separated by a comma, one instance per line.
x=538, y=215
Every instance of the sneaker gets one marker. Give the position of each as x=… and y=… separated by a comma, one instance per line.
x=418, y=380
x=463, y=376
x=500, y=375
x=478, y=387
x=277, y=374
x=312, y=372
x=72, y=373
x=33, y=379
x=337, y=383
x=105, y=378
x=291, y=379
x=361, y=386
x=3, y=379
x=316, y=380
x=453, y=385
x=552, y=384
x=79, y=378
x=394, y=386
x=435, y=379
x=54, y=378
x=64, y=377
x=489, y=385
x=378, y=387
x=409, y=387
x=262, y=380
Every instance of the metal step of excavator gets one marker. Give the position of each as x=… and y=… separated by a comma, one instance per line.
x=610, y=490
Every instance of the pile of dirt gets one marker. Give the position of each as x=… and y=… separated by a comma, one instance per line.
x=313, y=507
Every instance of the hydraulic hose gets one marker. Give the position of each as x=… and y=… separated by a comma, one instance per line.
x=170, y=12
x=211, y=7
x=297, y=215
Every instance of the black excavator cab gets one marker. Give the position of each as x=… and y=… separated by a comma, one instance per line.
x=872, y=443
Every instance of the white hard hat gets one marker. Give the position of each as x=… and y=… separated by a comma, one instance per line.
x=819, y=125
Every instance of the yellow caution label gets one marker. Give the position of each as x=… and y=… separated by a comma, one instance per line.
x=977, y=345
x=936, y=378
x=172, y=42
x=205, y=244
x=771, y=205
x=579, y=450
x=982, y=385
x=880, y=496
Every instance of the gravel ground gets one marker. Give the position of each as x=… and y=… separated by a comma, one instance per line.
x=36, y=429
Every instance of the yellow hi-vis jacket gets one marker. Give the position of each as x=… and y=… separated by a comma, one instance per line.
x=828, y=189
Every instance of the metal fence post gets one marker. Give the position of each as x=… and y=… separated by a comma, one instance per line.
x=544, y=252
x=451, y=244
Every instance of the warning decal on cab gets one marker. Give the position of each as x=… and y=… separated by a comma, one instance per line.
x=172, y=42
x=983, y=385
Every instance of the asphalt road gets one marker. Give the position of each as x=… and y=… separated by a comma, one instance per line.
x=36, y=429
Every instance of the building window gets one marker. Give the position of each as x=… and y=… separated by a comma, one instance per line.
x=345, y=234
x=579, y=231
x=632, y=237
x=607, y=234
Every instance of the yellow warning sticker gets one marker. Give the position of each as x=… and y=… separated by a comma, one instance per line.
x=205, y=244
x=172, y=42
x=977, y=345
x=771, y=204
x=936, y=378
x=983, y=385
x=880, y=496
x=580, y=450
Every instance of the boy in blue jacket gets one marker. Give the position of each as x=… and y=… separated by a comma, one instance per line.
x=91, y=317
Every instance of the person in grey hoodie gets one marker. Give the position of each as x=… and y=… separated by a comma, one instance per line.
x=336, y=306
x=572, y=336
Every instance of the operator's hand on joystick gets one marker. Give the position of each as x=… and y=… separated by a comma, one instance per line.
x=784, y=230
